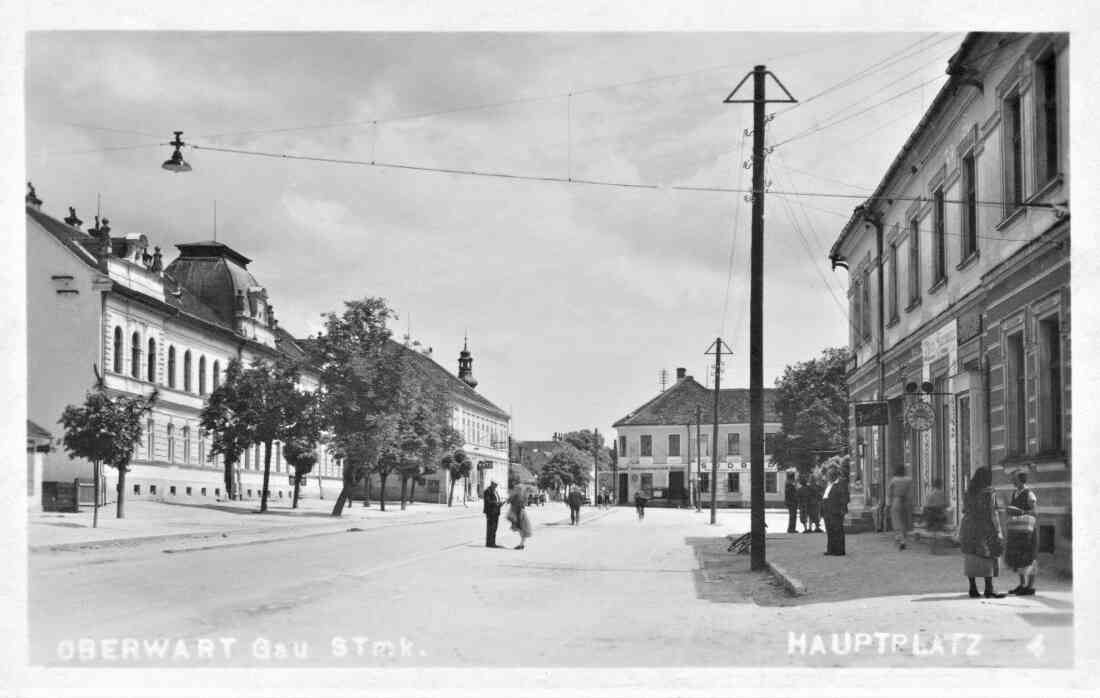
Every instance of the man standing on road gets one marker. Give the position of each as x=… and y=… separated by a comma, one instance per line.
x=790, y=498
x=835, y=506
x=492, y=514
x=574, y=499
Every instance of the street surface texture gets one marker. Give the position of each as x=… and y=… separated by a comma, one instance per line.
x=613, y=591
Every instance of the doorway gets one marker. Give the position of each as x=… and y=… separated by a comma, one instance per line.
x=676, y=491
x=624, y=490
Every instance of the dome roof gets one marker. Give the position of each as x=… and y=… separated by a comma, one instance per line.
x=215, y=273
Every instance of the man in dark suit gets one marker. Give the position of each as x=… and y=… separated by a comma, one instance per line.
x=834, y=506
x=492, y=514
x=574, y=499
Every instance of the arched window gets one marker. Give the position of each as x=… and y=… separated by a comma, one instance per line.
x=118, y=350
x=171, y=444
x=217, y=374
x=151, y=360
x=202, y=375
x=187, y=445
x=202, y=448
x=171, y=367
x=150, y=439
x=187, y=370
x=135, y=355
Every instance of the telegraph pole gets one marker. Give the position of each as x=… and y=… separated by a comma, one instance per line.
x=698, y=454
x=756, y=303
x=718, y=348
x=595, y=466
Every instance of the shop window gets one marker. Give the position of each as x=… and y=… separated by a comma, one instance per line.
x=647, y=483
x=733, y=482
x=771, y=482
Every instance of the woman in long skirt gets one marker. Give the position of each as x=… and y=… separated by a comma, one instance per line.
x=980, y=534
x=517, y=516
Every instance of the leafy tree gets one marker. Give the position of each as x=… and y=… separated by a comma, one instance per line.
x=230, y=435
x=812, y=402
x=449, y=439
x=105, y=430
x=567, y=466
x=359, y=388
x=458, y=465
x=587, y=441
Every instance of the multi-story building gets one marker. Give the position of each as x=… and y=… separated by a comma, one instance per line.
x=483, y=425
x=95, y=299
x=665, y=452
x=959, y=286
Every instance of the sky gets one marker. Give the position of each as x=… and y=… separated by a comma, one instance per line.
x=574, y=296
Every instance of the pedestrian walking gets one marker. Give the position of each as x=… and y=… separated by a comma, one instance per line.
x=790, y=498
x=935, y=513
x=900, y=493
x=517, y=516
x=574, y=499
x=980, y=533
x=834, y=505
x=1021, y=536
x=491, y=508
x=639, y=504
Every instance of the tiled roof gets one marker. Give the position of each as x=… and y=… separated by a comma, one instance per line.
x=458, y=388
x=36, y=432
x=676, y=406
x=75, y=240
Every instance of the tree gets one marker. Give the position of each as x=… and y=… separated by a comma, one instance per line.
x=448, y=440
x=221, y=417
x=812, y=402
x=359, y=388
x=458, y=465
x=567, y=466
x=105, y=430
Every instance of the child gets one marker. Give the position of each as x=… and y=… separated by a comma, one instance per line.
x=935, y=513
x=1021, y=538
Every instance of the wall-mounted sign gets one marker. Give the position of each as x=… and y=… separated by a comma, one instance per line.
x=920, y=416
x=870, y=414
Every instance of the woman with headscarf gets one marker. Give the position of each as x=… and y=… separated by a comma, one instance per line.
x=517, y=516
x=980, y=534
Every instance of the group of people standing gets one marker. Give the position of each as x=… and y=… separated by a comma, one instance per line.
x=517, y=515
x=820, y=493
x=981, y=538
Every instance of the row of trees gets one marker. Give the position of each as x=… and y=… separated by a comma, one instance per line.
x=379, y=410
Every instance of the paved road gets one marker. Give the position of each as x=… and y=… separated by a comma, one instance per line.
x=612, y=592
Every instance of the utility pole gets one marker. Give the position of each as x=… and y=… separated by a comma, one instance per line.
x=595, y=465
x=718, y=348
x=756, y=304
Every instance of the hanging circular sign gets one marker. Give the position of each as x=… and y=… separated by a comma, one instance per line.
x=920, y=416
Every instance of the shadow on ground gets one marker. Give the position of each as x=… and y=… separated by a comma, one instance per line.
x=725, y=577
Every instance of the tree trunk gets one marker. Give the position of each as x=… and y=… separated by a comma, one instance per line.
x=297, y=484
x=121, y=492
x=404, y=487
x=95, y=494
x=227, y=467
x=382, y=490
x=338, y=509
x=366, y=490
x=451, y=494
x=412, y=491
x=267, y=476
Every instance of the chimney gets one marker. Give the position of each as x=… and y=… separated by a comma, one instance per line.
x=32, y=199
x=681, y=374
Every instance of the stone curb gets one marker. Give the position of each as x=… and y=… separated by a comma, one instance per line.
x=792, y=584
x=230, y=538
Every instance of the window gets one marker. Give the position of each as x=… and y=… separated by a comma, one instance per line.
x=1047, y=98
x=674, y=445
x=217, y=491
x=187, y=445
x=733, y=482
x=1015, y=396
x=248, y=459
x=202, y=375
x=152, y=489
x=203, y=491
x=769, y=442
x=217, y=374
x=939, y=249
x=188, y=490
x=249, y=493
x=1050, y=395
x=865, y=306
x=137, y=489
x=150, y=441
x=771, y=482
x=151, y=360
x=704, y=482
x=914, y=261
x=187, y=370
x=622, y=446
x=118, y=350
x=1014, y=154
x=171, y=438
x=171, y=367
x=893, y=281
x=733, y=443
x=970, y=207
x=202, y=448
x=855, y=313
x=172, y=489
x=647, y=446
x=135, y=355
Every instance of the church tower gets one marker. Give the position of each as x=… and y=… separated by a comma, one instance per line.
x=466, y=364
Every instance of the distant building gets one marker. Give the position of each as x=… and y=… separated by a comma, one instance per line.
x=959, y=281
x=39, y=443
x=97, y=299
x=660, y=449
